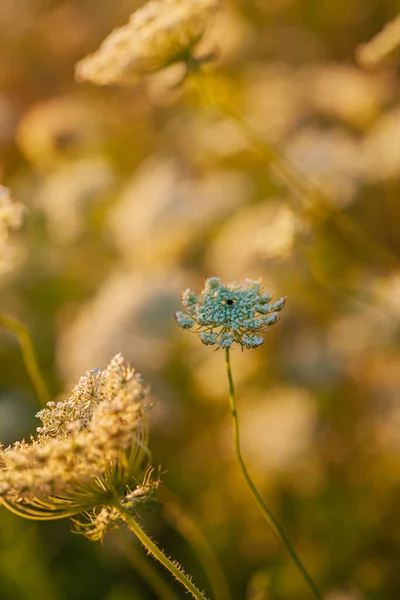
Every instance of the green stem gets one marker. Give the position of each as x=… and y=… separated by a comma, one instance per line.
x=152, y=548
x=187, y=527
x=144, y=567
x=269, y=517
x=28, y=355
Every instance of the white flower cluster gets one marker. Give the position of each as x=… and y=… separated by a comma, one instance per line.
x=229, y=313
x=89, y=449
x=11, y=217
x=157, y=35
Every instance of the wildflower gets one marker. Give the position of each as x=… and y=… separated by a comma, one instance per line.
x=237, y=313
x=231, y=313
x=157, y=35
x=90, y=450
x=86, y=460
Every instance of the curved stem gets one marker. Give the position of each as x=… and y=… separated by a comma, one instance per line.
x=152, y=548
x=269, y=517
x=28, y=354
x=144, y=567
x=181, y=520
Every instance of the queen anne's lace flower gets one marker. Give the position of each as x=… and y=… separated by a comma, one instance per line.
x=157, y=35
x=90, y=449
x=229, y=313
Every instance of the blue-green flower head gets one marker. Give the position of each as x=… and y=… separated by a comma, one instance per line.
x=228, y=314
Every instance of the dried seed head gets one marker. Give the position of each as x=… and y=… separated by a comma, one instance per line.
x=91, y=448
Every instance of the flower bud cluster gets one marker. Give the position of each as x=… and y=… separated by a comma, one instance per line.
x=89, y=448
x=231, y=313
x=160, y=33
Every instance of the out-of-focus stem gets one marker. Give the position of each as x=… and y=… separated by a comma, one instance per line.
x=158, y=554
x=181, y=520
x=315, y=200
x=28, y=354
x=267, y=514
x=144, y=567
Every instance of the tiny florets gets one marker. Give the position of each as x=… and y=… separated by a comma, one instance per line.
x=251, y=340
x=209, y=339
x=225, y=314
x=158, y=34
x=185, y=321
x=90, y=447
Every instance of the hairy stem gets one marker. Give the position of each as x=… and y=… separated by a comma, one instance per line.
x=268, y=516
x=152, y=548
x=28, y=354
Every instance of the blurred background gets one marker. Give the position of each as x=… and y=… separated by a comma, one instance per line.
x=135, y=194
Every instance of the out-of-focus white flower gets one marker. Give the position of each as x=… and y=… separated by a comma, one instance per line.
x=130, y=312
x=331, y=159
x=273, y=100
x=163, y=210
x=382, y=46
x=65, y=194
x=157, y=35
x=268, y=231
x=344, y=92
x=381, y=147
x=11, y=217
x=216, y=138
x=11, y=212
x=387, y=294
x=59, y=127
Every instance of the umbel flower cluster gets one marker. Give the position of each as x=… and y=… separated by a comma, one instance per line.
x=225, y=314
x=90, y=452
x=11, y=216
x=157, y=35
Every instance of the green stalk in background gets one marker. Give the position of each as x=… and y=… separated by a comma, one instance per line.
x=181, y=520
x=145, y=568
x=315, y=201
x=28, y=354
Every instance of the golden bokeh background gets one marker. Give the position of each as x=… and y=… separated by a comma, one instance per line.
x=134, y=194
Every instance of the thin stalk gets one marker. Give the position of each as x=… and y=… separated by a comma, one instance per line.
x=144, y=567
x=28, y=354
x=181, y=520
x=269, y=517
x=318, y=201
x=152, y=548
